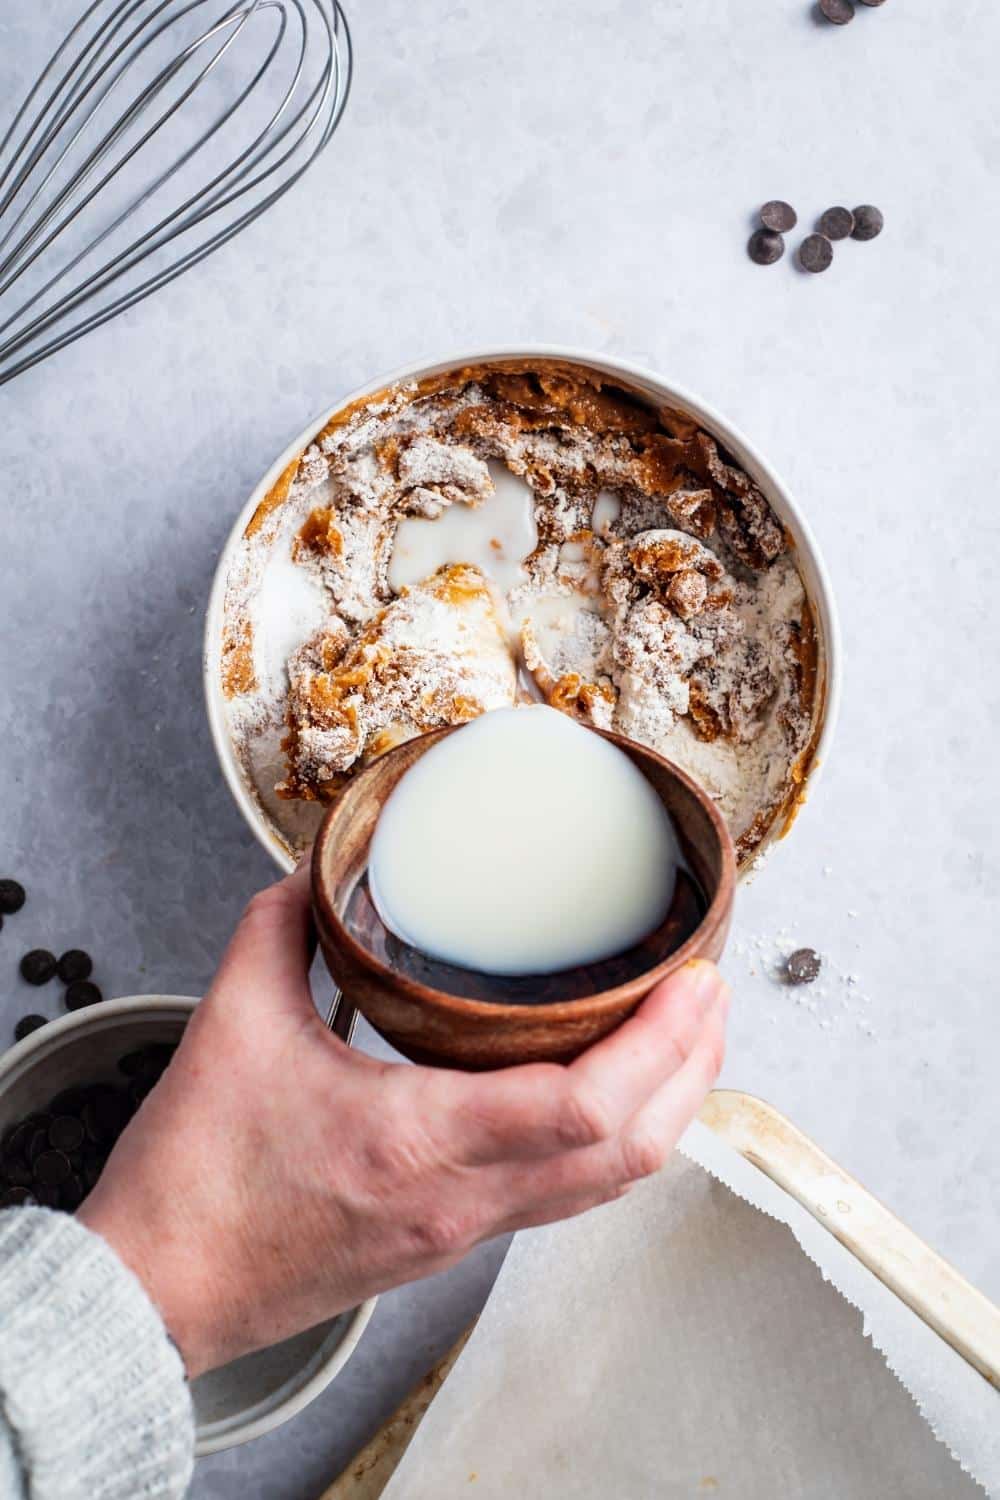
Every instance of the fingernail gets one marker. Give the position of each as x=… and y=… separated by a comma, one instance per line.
x=706, y=981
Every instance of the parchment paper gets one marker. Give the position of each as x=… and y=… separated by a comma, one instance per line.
x=680, y=1343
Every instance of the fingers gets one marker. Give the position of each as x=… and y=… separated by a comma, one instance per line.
x=542, y=1110
x=555, y=1209
x=631, y=1064
x=267, y=961
x=640, y=1148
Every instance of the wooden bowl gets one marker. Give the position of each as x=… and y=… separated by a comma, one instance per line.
x=431, y=1025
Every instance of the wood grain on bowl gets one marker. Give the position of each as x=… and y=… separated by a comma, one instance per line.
x=429, y=1024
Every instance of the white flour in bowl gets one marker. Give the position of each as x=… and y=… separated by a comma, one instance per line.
x=619, y=567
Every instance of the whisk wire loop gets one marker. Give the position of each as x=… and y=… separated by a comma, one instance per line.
x=289, y=108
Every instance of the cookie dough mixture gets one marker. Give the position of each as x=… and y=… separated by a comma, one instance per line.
x=507, y=533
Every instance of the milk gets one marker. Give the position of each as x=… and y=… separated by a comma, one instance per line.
x=495, y=537
x=523, y=844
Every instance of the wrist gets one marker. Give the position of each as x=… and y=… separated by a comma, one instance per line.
x=168, y=1269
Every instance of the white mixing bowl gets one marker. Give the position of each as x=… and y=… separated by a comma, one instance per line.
x=661, y=392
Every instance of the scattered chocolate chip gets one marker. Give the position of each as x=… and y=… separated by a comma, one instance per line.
x=11, y=897
x=75, y=964
x=779, y=216
x=837, y=11
x=38, y=966
x=836, y=223
x=14, y=1197
x=765, y=247
x=48, y=1197
x=52, y=1168
x=868, y=222
x=26, y=1025
x=65, y=1133
x=815, y=252
x=803, y=966
x=80, y=993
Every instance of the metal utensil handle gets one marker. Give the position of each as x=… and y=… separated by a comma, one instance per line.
x=342, y=1017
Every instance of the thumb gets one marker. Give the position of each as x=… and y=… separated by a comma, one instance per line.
x=266, y=965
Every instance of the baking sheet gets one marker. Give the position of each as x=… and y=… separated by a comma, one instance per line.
x=679, y=1343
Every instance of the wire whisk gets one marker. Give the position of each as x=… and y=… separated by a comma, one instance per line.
x=157, y=131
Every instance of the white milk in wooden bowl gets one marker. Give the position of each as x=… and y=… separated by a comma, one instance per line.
x=524, y=845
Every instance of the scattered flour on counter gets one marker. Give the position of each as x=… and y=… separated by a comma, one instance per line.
x=835, y=1000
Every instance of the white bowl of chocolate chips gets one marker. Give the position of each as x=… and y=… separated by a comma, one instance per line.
x=651, y=574
x=66, y=1093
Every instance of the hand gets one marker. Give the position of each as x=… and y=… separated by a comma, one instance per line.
x=275, y=1177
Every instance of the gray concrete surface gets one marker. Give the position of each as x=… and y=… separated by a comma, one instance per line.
x=584, y=174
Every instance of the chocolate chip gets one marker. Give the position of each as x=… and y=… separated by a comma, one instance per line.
x=764, y=247
x=868, y=222
x=16, y=1142
x=65, y=1133
x=71, y=1194
x=91, y=1173
x=48, y=1197
x=837, y=11
x=38, y=966
x=39, y=1142
x=815, y=252
x=17, y=1172
x=11, y=897
x=140, y=1087
x=150, y=1060
x=14, y=1197
x=802, y=966
x=74, y=964
x=52, y=1168
x=836, y=223
x=26, y=1025
x=158, y=1058
x=872, y=2
x=69, y=1102
x=106, y=1114
x=80, y=993
x=779, y=216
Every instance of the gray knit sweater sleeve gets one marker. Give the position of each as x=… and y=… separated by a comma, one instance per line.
x=93, y=1400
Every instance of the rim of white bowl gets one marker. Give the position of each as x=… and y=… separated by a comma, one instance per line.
x=21, y=1058
x=808, y=556
x=229, y=1432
